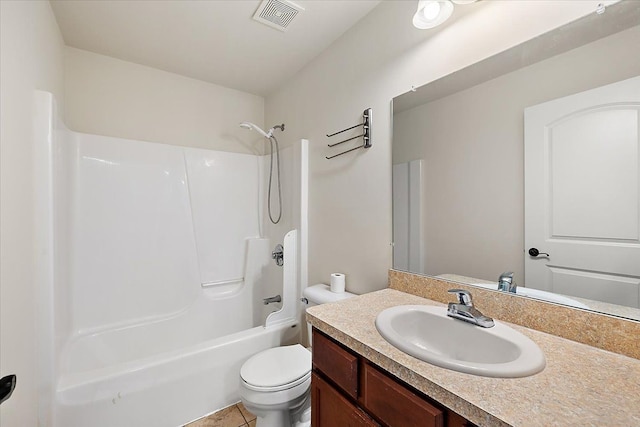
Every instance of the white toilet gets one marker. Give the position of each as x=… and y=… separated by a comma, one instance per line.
x=275, y=384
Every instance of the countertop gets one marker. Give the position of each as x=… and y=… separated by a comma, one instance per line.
x=581, y=385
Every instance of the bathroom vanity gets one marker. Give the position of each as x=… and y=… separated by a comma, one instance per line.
x=360, y=379
x=349, y=390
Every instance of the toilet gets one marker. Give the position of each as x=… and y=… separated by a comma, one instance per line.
x=275, y=384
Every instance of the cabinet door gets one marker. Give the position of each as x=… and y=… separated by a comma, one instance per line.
x=336, y=363
x=330, y=409
x=394, y=404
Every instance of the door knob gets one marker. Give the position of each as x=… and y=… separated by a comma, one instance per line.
x=7, y=385
x=534, y=252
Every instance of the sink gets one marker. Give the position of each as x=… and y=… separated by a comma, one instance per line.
x=427, y=333
x=538, y=294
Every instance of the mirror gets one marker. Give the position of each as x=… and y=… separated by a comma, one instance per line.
x=459, y=163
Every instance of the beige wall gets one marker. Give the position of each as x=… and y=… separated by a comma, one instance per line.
x=472, y=144
x=108, y=96
x=31, y=58
x=382, y=57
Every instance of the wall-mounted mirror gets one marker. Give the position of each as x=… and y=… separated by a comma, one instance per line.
x=529, y=161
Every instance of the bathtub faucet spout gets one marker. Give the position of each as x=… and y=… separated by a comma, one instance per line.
x=269, y=300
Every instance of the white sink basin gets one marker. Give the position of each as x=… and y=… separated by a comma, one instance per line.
x=538, y=294
x=427, y=333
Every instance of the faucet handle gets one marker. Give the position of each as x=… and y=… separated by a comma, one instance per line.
x=506, y=282
x=507, y=275
x=464, y=297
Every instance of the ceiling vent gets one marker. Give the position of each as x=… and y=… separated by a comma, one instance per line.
x=277, y=14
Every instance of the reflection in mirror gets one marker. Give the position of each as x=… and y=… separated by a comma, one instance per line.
x=536, y=148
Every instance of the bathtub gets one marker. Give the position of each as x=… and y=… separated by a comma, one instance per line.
x=168, y=370
x=168, y=383
x=171, y=369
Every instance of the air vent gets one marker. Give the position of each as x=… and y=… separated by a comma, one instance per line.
x=277, y=14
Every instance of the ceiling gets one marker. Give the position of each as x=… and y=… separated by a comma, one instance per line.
x=211, y=40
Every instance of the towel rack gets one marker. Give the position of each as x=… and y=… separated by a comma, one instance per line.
x=366, y=134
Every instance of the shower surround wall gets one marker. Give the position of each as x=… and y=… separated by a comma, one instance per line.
x=152, y=293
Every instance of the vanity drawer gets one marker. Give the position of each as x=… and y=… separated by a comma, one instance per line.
x=337, y=363
x=394, y=404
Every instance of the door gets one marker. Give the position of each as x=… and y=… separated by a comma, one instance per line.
x=582, y=194
x=408, y=246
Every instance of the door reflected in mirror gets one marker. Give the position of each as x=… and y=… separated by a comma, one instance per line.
x=537, y=147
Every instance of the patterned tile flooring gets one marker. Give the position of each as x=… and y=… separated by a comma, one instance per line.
x=233, y=416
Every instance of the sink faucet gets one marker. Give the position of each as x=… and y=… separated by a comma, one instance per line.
x=506, y=282
x=464, y=310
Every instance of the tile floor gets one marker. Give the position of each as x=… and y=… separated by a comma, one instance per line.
x=233, y=416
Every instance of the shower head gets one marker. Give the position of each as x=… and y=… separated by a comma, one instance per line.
x=249, y=125
x=273, y=141
x=268, y=134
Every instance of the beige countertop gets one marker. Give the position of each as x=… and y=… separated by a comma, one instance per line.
x=580, y=386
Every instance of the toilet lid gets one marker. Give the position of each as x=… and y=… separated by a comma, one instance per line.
x=277, y=366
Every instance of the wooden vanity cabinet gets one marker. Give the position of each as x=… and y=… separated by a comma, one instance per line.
x=393, y=403
x=349, y=390
x=331, y=409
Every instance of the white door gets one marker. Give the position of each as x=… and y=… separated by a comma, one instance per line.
x=582, y=194
x=407, y=217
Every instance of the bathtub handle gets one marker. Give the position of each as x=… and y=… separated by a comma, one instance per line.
x=278, y=255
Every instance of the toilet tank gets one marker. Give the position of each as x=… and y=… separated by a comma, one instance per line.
x=321, y=294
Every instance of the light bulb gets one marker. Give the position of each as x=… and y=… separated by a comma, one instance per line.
x=431, y=10
x=432, y=13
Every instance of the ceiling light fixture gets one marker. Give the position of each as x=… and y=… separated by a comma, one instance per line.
x=432, y=13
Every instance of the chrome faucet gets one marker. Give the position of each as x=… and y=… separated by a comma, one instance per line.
x=273, y=299
x=278, y=255
x=464, y=310
x=507, y=283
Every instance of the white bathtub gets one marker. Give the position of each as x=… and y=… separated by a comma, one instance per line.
x=170, y=388
x=169, y=370
x=172, y=369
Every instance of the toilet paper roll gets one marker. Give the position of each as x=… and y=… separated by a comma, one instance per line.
x=337, y=283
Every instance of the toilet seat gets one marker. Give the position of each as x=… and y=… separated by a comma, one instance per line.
x=277, y=369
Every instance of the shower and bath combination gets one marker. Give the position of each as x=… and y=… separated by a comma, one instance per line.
x=272, y=139
x=193, y=315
